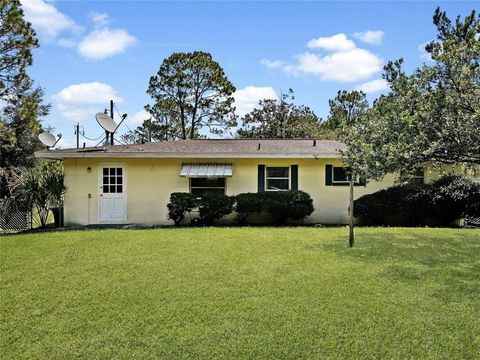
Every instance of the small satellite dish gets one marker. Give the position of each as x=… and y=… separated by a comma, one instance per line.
x=106, y=122
x=48, y=139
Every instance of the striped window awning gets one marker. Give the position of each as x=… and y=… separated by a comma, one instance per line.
x=206, y=170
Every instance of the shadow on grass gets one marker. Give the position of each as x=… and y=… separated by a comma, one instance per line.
x=448, y=258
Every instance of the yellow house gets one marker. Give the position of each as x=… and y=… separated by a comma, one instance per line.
x=132, y=183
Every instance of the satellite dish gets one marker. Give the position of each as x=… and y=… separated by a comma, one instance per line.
x=48, y=139
x=106, y=122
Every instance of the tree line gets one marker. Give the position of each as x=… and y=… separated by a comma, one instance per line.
x=431, y=116
x=428, y=116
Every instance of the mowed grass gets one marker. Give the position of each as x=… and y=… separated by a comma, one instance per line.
x=256, y=293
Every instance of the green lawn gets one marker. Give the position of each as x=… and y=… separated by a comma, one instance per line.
x=241, y=293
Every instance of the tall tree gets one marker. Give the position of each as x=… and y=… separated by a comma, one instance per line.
x=21, y=102
x=20, y=124
x=280, y=119
x=193, y=92
x=345, y=110
x=17, y=39
x=430, y=117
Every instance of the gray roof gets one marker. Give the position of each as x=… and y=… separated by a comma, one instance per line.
x=209, y=148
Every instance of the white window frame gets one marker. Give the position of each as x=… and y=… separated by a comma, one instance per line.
x=207, y=187
x=107, y=166
x=282, y=178
x=356, y=181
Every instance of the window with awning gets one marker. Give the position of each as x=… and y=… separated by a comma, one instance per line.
x=206, y=170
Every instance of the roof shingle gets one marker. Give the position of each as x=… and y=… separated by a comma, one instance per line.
x=206, y=147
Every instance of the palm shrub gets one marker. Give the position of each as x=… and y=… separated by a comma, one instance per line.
x=53, y=181
x=40, y=188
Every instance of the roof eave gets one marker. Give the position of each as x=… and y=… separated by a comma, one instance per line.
x=59, y=155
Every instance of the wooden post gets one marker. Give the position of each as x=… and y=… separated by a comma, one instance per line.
x=77, y=132
x=111, y=115
x=351, y=238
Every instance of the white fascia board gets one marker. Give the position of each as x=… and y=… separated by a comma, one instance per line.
x=52, y=154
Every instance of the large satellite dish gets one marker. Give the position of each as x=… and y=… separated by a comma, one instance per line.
x=106, y=122
x=48, y=139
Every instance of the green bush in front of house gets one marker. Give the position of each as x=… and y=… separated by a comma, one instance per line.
x=248, y=204
x=436, y=204
x=300, y=205
x=283, y=206
x=180, y=205
x=213, y=206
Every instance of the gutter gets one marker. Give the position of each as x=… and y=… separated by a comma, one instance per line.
x=59, y=155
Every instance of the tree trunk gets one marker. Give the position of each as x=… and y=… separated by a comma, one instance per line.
x=351, y=238
x=182, y=120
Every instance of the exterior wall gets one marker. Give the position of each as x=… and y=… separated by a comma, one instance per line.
x=432, y=174
x=149, y=183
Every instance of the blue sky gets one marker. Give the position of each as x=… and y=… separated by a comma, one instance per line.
x=92, y=51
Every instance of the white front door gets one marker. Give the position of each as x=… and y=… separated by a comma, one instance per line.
x=113, y=197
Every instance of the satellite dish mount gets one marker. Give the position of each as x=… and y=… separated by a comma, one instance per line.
x=108, y=124
x=48, y=139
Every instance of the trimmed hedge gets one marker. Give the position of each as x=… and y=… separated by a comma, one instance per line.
x=282, y=206
x=180, y=204
x=436, y=204
x=248, y=204
x=212, y=206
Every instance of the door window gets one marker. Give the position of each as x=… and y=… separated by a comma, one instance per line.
x=112, y=182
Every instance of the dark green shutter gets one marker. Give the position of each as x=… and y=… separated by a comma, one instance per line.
x=294, y=174
x=261, y=178
x=328, y=174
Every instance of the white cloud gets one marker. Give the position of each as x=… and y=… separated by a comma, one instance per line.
x=338, y=42
x=138, y=118
x=373, y=86
x=370, y=37
x=344, y=66
x=247, y=99
x=103, y=43
x=82, y=101
x=272, y=64
x=99, y=19
x=67, y=42
x=344, y=61
x=99, y=44
x=87, y=93
x=46, y=19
